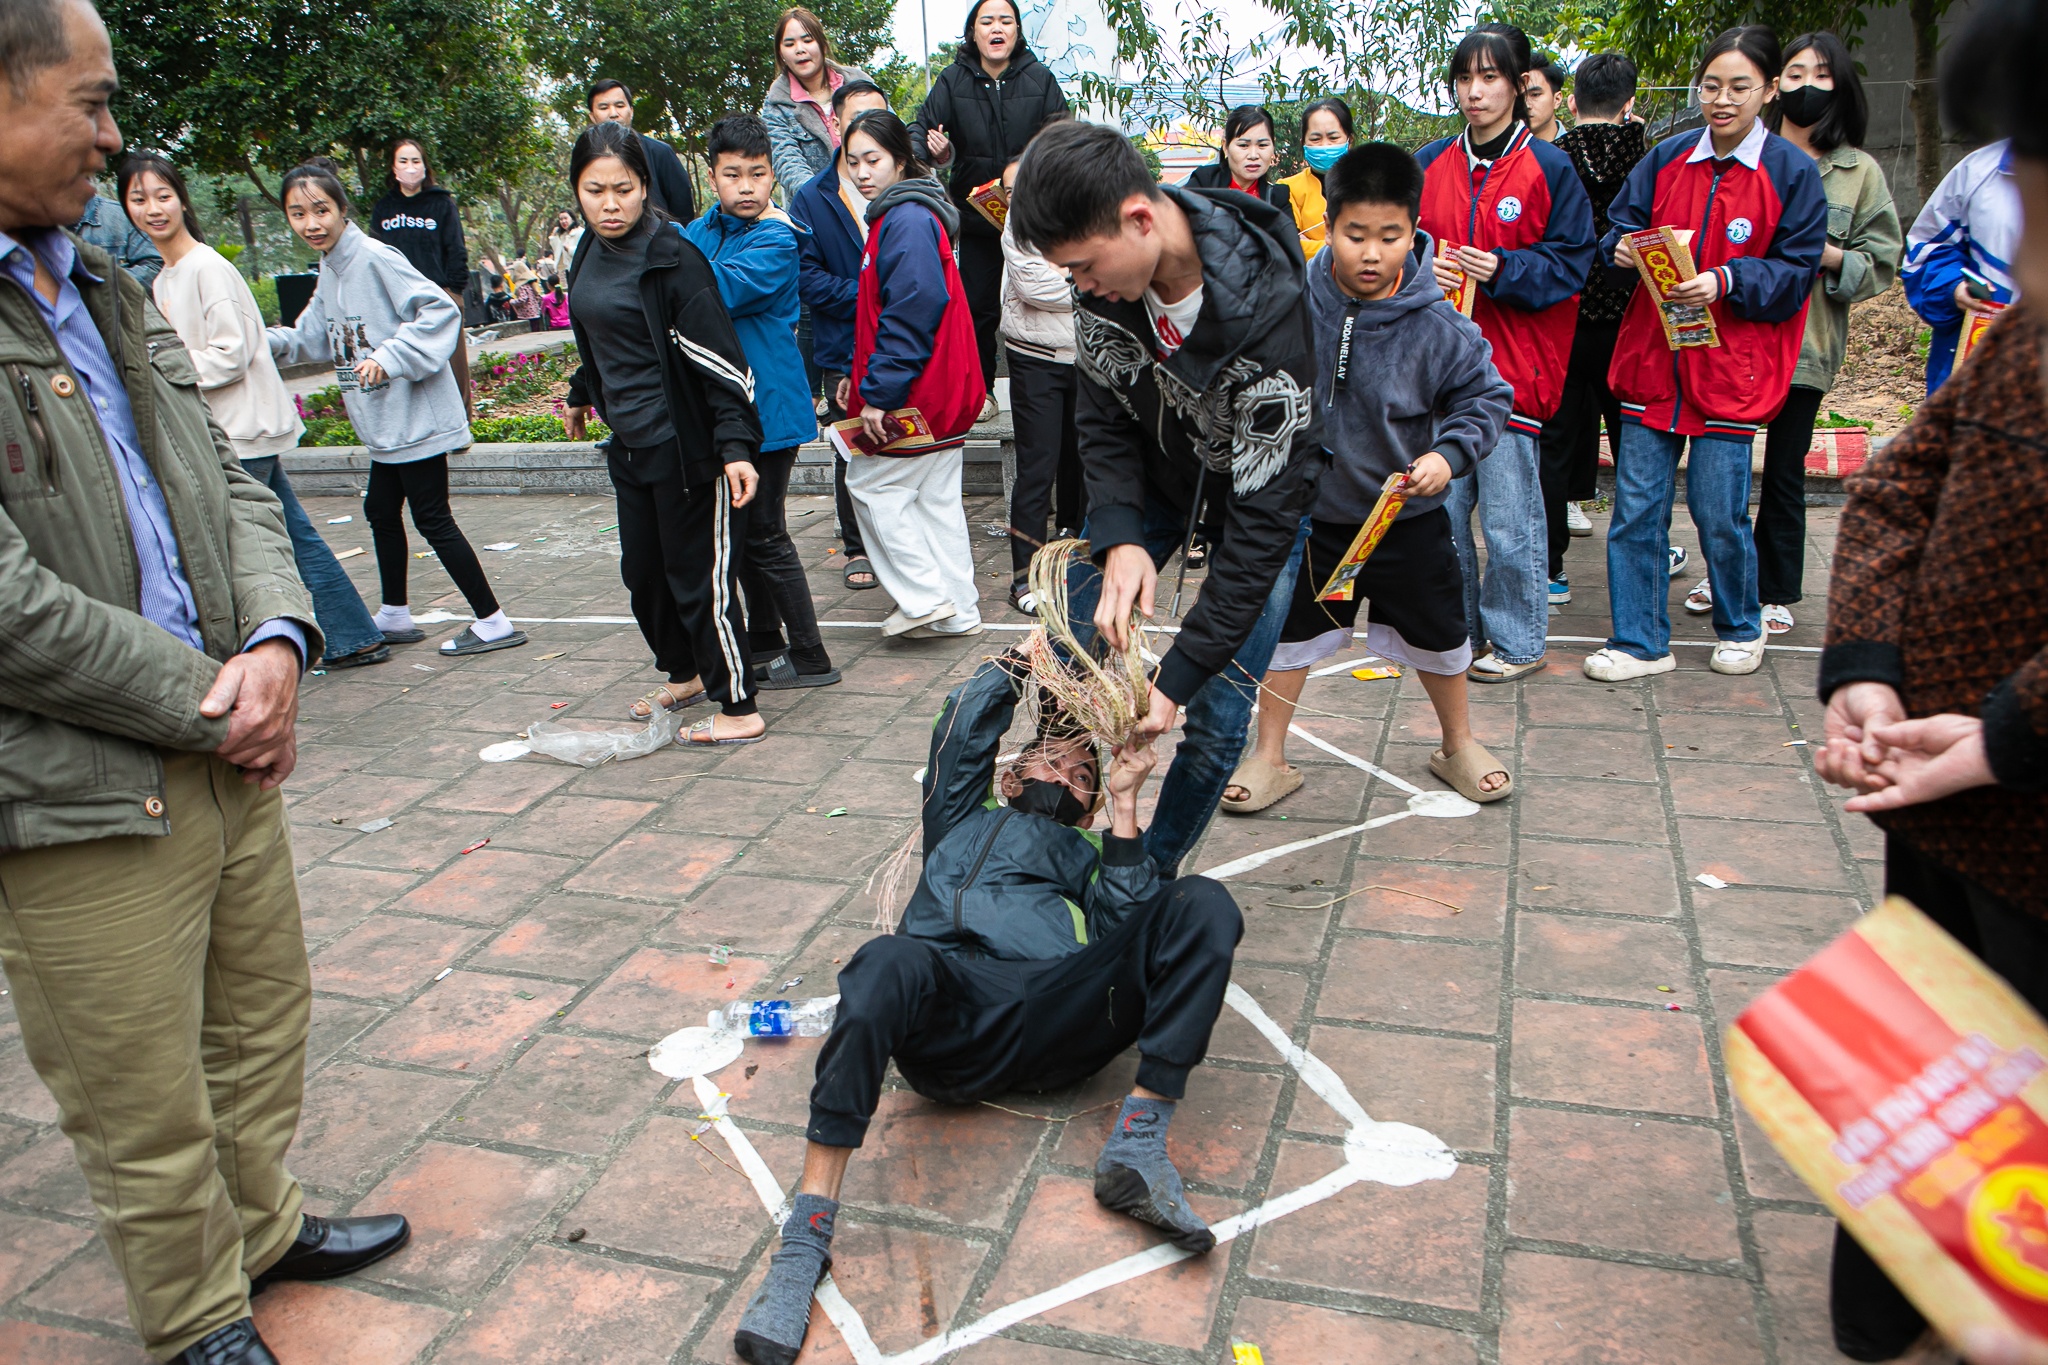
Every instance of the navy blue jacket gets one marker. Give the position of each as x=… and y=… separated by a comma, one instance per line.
x=828, y=270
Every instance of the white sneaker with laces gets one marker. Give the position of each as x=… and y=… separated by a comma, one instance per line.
x=1778, y=620
x=1675, y=560
x=1737, y=657
x=1700, y=600
x=1614, y=665
x=1576, y=521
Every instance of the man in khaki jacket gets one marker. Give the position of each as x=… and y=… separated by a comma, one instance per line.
x=152, y=633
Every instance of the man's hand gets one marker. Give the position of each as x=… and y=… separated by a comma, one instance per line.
x=938, y=145
x=1129, y=579
x=1448, y=276
x=1126, y=775
x=574, y=421
x=1926, y=760
x=1157, y=720
x=1701, y=290
x=258, y=692
x=1850, y=756
x=1429, y=476
x=744, y=479
x=1969, y=302
x=842, y=392
x=1480, y=265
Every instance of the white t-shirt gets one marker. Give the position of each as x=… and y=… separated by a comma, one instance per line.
x=1171, y=322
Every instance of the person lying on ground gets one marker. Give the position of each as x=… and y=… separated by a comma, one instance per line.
x=1032, y=954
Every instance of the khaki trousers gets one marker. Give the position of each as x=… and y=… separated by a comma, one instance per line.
x=163, y=995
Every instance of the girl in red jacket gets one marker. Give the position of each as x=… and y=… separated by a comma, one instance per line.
x=1758, y=217
x=913, y=347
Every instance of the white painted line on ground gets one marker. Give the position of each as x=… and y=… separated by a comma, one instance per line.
x=1355, y=761
x=1601, y=640
x=1237, y=867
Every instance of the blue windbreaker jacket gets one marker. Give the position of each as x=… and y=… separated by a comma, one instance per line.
x=756, y=264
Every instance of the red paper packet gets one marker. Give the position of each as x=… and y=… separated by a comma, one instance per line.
x=1343, y=584
x=906, y=428
x=1975, y=324
x=1664, y=260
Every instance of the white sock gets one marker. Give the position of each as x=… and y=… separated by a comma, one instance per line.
x=496, y=626
x=394, y=618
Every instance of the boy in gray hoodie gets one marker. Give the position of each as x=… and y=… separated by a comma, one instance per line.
x=1406, y=385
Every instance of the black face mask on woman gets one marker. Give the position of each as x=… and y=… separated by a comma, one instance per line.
x=1806, y=105
x=1054, y=800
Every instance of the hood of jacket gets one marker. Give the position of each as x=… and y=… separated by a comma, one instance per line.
x=1419, y=288
x=922, y=189
x=1251, y=273
x=779, y=92
x=1604, y=153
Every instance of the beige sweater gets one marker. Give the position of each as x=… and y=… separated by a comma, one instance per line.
x=209, y=305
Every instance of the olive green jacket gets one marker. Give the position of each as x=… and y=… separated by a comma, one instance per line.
x=1863, y=223
x=90, y=689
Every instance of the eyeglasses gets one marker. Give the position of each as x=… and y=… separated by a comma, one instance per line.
x=1713, y=92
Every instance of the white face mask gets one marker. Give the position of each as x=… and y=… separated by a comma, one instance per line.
x=411, y=174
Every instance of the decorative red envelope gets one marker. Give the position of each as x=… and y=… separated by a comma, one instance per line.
x=991, y=201
x=1665, y=261
x=1343, y=584
x=1903, y=1081
x=1974, y=326
x=1467, y=288
x=906, y=427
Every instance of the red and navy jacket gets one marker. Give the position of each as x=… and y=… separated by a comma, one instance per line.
x=1529, y=207
x=913, y=338
x=1761, y=227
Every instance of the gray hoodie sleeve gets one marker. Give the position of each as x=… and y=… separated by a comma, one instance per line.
x=305, y=341
x=1472, y=402
x=430, y=322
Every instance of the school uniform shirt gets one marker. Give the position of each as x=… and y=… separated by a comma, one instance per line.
x=1971, y=223
x=1526, y=205
x=1759, y=219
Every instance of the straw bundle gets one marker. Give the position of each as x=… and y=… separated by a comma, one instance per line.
x=1103, y=698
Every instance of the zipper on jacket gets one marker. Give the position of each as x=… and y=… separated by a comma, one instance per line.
x=1706, y=215
x=38, y=434
x=987, y=847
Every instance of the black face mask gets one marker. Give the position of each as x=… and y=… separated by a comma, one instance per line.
x=1806, y=105
x=1053, y=800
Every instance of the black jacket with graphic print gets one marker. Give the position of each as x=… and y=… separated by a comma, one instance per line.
x=1229, y=419
x=704, y=371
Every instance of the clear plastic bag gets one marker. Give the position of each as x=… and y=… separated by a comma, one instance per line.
x=588, y=748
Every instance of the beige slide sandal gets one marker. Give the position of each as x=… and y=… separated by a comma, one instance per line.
x=1465, y=772
x=1263, y=785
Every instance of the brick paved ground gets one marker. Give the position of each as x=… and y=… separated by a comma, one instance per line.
x=1608, y=1204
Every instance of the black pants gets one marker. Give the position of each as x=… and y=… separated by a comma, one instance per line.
x=961, y=1029
x=981, y=273
x=1781, y=505
x=778, y=593
x=842, y=501
x=1569, y=459
x=677, y=555
x=1042, y=406
x=424, y=485
x=1873, y=1320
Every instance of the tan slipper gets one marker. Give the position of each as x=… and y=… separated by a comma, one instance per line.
x=1491, y=668
x=669, y=697
x=1465, y=772
x=1263, y=784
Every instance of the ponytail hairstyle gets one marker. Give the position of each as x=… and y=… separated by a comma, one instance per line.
x=158, y=165
x=321, y=175
x=886, y=131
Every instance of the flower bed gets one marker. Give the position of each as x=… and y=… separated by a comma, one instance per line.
x=519, y=397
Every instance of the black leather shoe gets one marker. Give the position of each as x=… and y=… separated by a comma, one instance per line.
x=328, y=1248
x=234, y=1344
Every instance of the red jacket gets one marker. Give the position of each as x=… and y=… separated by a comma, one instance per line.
x=913, y=338
x=1763, y=230
x=1530, y=208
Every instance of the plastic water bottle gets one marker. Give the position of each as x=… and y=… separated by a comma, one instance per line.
x=778, y=1018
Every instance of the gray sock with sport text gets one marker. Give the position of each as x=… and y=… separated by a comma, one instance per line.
x=771, y=1331
x=1134, y=1175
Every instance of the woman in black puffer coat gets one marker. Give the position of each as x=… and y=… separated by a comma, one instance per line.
x=978, y=115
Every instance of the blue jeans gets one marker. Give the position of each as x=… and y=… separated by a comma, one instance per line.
x=1638, y=573
x=1510, y=607
x=337, y=606
x=1219, y=714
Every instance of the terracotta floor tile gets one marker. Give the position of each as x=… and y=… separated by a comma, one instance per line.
x=1603, y=958
x=1728, y=738
x=88, y=1288
x=488, y=887
x=1427, y=1242
x=337, y=1325
x=1621, y=1184
x=1577, y=808
x=45, y=1175
x=31, y=1343
x=470, y=1210
x=333, y=898
x=653, y=866
x=30, y=1246
x=962, y=1163
x=657, y=991
x=1408, y=895
x=1218, y=1132
x=468, y=1022
x=1610, y=1056
x=1301, y=1332
x=1763, y=1170
x=572, y=936
x=1751, y=853
x=1690, y=690
x=666, y=1195
x=1065, y=1233
x=336, y=1024
x=1769, y=928
x=1797, y=1250
x=1228, y=840
x=753, y=914
x=771, y=1083
x=567, y=1306
x=1748, y=792
x=22, y=1093
x=389, y=956
x=737, y=807
x=1421, y=985
x=1628, y=881
x=505, y=788
x=1445, y=1085
x=1586, y=753
x=1565, y=1309
x=420, y=842
x=572, y=825
x=1584, y=702
x=357, y=1117
x=566, y=1095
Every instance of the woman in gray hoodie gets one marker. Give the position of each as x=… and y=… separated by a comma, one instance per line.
x=390, y=334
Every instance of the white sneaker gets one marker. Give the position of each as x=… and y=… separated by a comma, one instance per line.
x=1613, y=665
x=1737, y=657
x=1675, y=558
x=1576, y=521
x=1700, y=600
x=1778, y=620
x=896, y=623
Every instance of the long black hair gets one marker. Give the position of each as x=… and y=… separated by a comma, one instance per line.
x=319, y=174
x=1848, y=115
x=886, y=131
x=1337, y=109
x=967, y=43
x=158, y=165
x=1493, y=45
x=601, y=140
x=426, y=162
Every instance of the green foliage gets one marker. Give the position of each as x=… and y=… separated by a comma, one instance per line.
x=1666, y=37
x=256, y=87
x=523, y=375
x=265, y=290
x=907, y=81
x=1834, y=421
x=688, y=62
x=536, y=427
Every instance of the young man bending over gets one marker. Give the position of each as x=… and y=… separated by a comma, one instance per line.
x=1032, y=953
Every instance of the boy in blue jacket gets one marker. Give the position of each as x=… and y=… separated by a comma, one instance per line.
x=752, y=248
x=1032, y=954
